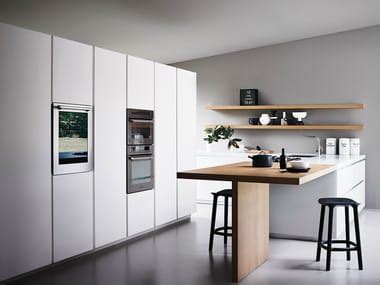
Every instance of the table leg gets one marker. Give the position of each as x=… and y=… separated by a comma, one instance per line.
x=250, y=224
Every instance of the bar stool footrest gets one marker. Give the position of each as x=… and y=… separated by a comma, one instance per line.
x=355, y=247
x=221, y=231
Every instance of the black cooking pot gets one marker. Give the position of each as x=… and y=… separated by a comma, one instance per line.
x=261, y=160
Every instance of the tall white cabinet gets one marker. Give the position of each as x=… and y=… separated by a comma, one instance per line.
x=25, y=157
x=140, y=78
x=73, y=208
x=165, y=142
x=110, y=147
x=186, y=146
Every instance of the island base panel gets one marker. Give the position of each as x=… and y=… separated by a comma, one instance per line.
x=250, y=222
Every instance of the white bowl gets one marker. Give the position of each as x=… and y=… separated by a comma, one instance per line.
x=300, y=164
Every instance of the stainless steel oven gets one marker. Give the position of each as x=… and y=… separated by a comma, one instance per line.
x=140, y=168
x=72, y=138
x=140, y=127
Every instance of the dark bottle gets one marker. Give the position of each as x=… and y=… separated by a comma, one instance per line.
x=283, y=160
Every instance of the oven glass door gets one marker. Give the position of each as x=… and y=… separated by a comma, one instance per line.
x=72, y=139
x=140, y=173
x=140, y=132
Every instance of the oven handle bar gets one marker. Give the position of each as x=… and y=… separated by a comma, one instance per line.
x=141, y=158
x=71, y=107
x=140, y=121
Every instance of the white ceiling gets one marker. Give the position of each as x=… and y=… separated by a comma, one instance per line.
x=177, y=30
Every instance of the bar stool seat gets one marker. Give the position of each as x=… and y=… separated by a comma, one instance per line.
x=350, y=245
x=225, y=231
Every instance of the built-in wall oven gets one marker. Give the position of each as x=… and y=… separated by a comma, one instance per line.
x=72, y=138
x=140, y=150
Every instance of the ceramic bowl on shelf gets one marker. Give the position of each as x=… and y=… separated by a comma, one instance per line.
x=300, y=164
x=299, y=116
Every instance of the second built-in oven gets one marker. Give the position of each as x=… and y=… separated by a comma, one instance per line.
x=140, y=168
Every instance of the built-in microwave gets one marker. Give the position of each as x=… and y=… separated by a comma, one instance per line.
x=140, y=127
x=72, y=138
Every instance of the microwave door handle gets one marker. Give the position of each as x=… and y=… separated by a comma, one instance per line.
x=140, y=121
x=141, y=158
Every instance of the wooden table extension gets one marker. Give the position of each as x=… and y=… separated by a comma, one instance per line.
x=250, y=206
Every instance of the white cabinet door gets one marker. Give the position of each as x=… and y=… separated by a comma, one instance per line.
x=110, y=147
x=140, y=83
x=72, y=72
x=165, y=140
x=25, y=156
x=140, y=212
x=72, y=214
x=186, y=142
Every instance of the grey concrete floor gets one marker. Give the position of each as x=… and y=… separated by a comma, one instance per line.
x=179, y=255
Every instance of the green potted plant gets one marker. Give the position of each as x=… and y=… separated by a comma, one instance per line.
x=221, y=137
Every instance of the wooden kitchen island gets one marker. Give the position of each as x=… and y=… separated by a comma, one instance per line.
x=250, y=206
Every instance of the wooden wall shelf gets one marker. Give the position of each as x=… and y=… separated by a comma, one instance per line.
x=314, y=127
x=291, y=107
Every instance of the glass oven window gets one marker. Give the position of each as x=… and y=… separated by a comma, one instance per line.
x=141, y=171
x=73, y=137
x=140, y=133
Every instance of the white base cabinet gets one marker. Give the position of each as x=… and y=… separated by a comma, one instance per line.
x=186, y=147
x=165, y=140
x=140, y=212
x=25, y=156
x=72, y=215
x=109, y=147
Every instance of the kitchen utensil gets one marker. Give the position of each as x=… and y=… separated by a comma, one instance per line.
x=265, y=119
x=300, y=164
x=299, y=116
x=261, y=160
x=253, y=121
x=297, y=170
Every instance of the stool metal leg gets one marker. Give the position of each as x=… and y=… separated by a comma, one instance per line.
x=320, y=233
x=357, y=232
x=213, y=218
x=347, y=221
x=225, y=219
x=329, y=238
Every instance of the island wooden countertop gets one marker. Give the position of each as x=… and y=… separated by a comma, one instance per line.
x=244, y=172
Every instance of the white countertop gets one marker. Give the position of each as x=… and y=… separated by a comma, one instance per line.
x=340, y=160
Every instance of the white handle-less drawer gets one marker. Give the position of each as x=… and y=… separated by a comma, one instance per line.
x=350, y=176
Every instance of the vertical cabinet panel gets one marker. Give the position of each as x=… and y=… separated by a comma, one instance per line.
x=110, y=147
x=165, y=140
x=25, y=156
x=72, y=214
x=186, y=144
x=140, y=212
x=140, y=90
x=72, y=72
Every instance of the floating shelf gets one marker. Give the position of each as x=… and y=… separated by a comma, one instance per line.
x=290, y=107
x=321, y=127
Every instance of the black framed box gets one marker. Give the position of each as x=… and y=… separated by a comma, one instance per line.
x=249, y=97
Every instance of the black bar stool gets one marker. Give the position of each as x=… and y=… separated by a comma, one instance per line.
x=225, y=231
x=327, y=245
